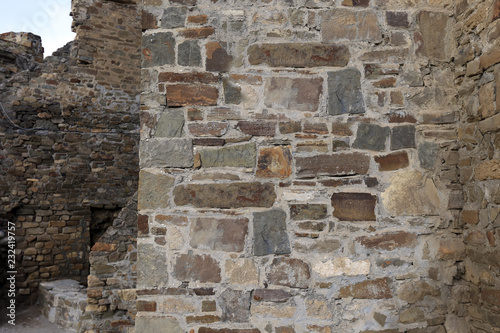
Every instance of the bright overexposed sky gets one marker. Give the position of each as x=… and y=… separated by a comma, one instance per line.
x=47, y=18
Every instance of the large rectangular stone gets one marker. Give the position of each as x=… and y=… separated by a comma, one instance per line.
x=243, y=155
x=299, y=55
x=166, y=153
x=369, y=289
x=342, y=164
x=189, y=94
x=158, y=49
x=344, y=92
x=350, y=206
x=227, y=234
x=232, y=195
x=189, y=77
x=389, y=241
x=299, y=94
x=352, y=25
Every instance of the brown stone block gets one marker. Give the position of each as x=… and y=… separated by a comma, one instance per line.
x=208, y=129
x=389, y=241
x=218, y=60
x=206, y=319
x=397, y=19
x=104, y=247
x=491, y=295
x=356, y=3
x=289, y=272
x=369, y=289
x=186, y=94
x=271, y=295
x=342, y=164
x=274, y=162
x=470, y=216
x=197, y=32
x=344, y=24
x=148, y=21
x=489, y=59
x=208, y=306
x=191, y=77
x=354, y=206
x=197, y=19
x=142, y=225
x=488, y=170
x=209, y=142
x=308, y=211
x=289, y=127
x=397, y=55
x=299, y=55
x=315, y=128
x=258, y=128
x=192, y=267
x=388, y=82
x=451, y=249
x=227, y=330
x=432, y=39
x=232, y=195
x=148, y=306
x=393, y=161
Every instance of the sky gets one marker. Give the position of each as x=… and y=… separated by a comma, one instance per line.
x=46, y=18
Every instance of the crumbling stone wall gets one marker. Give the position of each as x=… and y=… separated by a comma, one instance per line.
x=478, y=79
x=72, y=150
x=300, y=167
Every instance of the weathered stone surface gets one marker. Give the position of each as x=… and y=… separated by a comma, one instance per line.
x=491, y=295
x=315, y=128
x=243, y=155
x=171, y=153
x=433, y=37
x=142, y=227
x=148, y=21
x=427, y=154
x=217, y=58
x=397, y=19
x=187, y=77
x=411, y=315
x=413, y=292
x=354, y=206
x=456, y=324
x=197, y=32
x=193, y=267
x=344, y=24
x=271, y=295
x=392, y=161
x=341, y=266
x=371, y=136
x=157, y=324
x=189, y=53
x=270, y=233
x=423, y=199
x=227, y=330
x=289, y=127
x=293, y=94
x=275, y=162
x=209, y=142
x=369, y=289
x=232, y=195
x=396, y=55
x=232, y=92
x=341, y=164
x=308, y=211
x=258, y=128
x=154, y=189
x=374, y=71
x=242, y=271
x=235, y=305
x=488, y=170
x=173, y=17
x=289, y=272
x=344, y=92
x=298, y=55
x=152, y=266
x=219, y=234
x=388, y=241
x=187, y=94
x=356, y=3
x=208, y=129
x=158, y=49
x=170, y=124
x=403, y=137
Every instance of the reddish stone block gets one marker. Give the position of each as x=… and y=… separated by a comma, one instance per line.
x=389, y=241
x=208, y=129
x=217, y=58
x=191, y=77
x=148, y=21
x=470, y=216
x=315, y=128
x=197, y=32
x=201, y=268
x=103, y=247
x=369, y=289
x=197, y=19
x=491, y=295
x=393, y=161
x=342, y=164
x=147, y=306
x=142, y=225
x=274, y=162
x=258, y=128
x=186, y=94
x=354, y=206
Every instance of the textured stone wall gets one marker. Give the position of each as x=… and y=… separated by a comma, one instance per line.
x=69, y=163
x=300, y=167
x=478, y=78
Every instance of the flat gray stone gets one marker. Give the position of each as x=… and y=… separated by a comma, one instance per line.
x=344, y=92
x=244, y=156
x=158, y=49
x=166, y=153
x=189, y=54
x=270, y=235
x=427, y=154
x=151, y=267
x=154, y=189
x=173, y=17
x=371, y=137
x=235, y=305
x=170, y=124
x=403, y=137
x=157, y=325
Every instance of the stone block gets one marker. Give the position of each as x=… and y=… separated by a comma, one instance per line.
x=193, y=267
x=218, y=60
x=350, y=25
x=271, y=295
x=289, y=272
x=275, y=162
x=392, y=161
x=243, y=155
x=166, y=153
x=344, y=92
x=208, y=129
x=203, y=32
x=270, y=233
x=152, y=266
x=433, y=38
x=157, y=324
x=235, y=305
x=189, y=54
x=227, y=234
x=308, y=211
x=232, y=92
x=227, y=330
x=257, y=128
x=369, y=289
x=340, y=164
x=428, y=154
x=301, y=94
x=371, y=137
x=318, y=308
x=147, y=306
x=356, y=3
x=488, y=170
x=298, y=55
x=403, y=137
x=190, y=94
x=188, y=77
x=232, y=195
x=350, y=206
x=173, y=17
x=416, y=291
x=341, y=266
x=153, y=191
x=148, y=21
x=242, y=271
x=388, y=241
x=397, y=19
x=411, y=315
x=289, y=127
x=170, y=124
x=158, y=49
x=491, y=295
x=315, y=128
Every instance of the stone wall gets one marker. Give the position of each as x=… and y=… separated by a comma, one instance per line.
x=69, y=162
x=478, y=79
x=300, y=167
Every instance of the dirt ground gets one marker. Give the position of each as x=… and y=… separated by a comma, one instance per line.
x=31, y=320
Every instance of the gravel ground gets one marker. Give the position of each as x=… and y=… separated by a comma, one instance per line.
x=31, y=320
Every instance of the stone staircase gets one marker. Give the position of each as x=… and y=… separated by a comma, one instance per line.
x=63, y=303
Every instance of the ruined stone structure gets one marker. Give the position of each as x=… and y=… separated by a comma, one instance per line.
x=305, y=165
